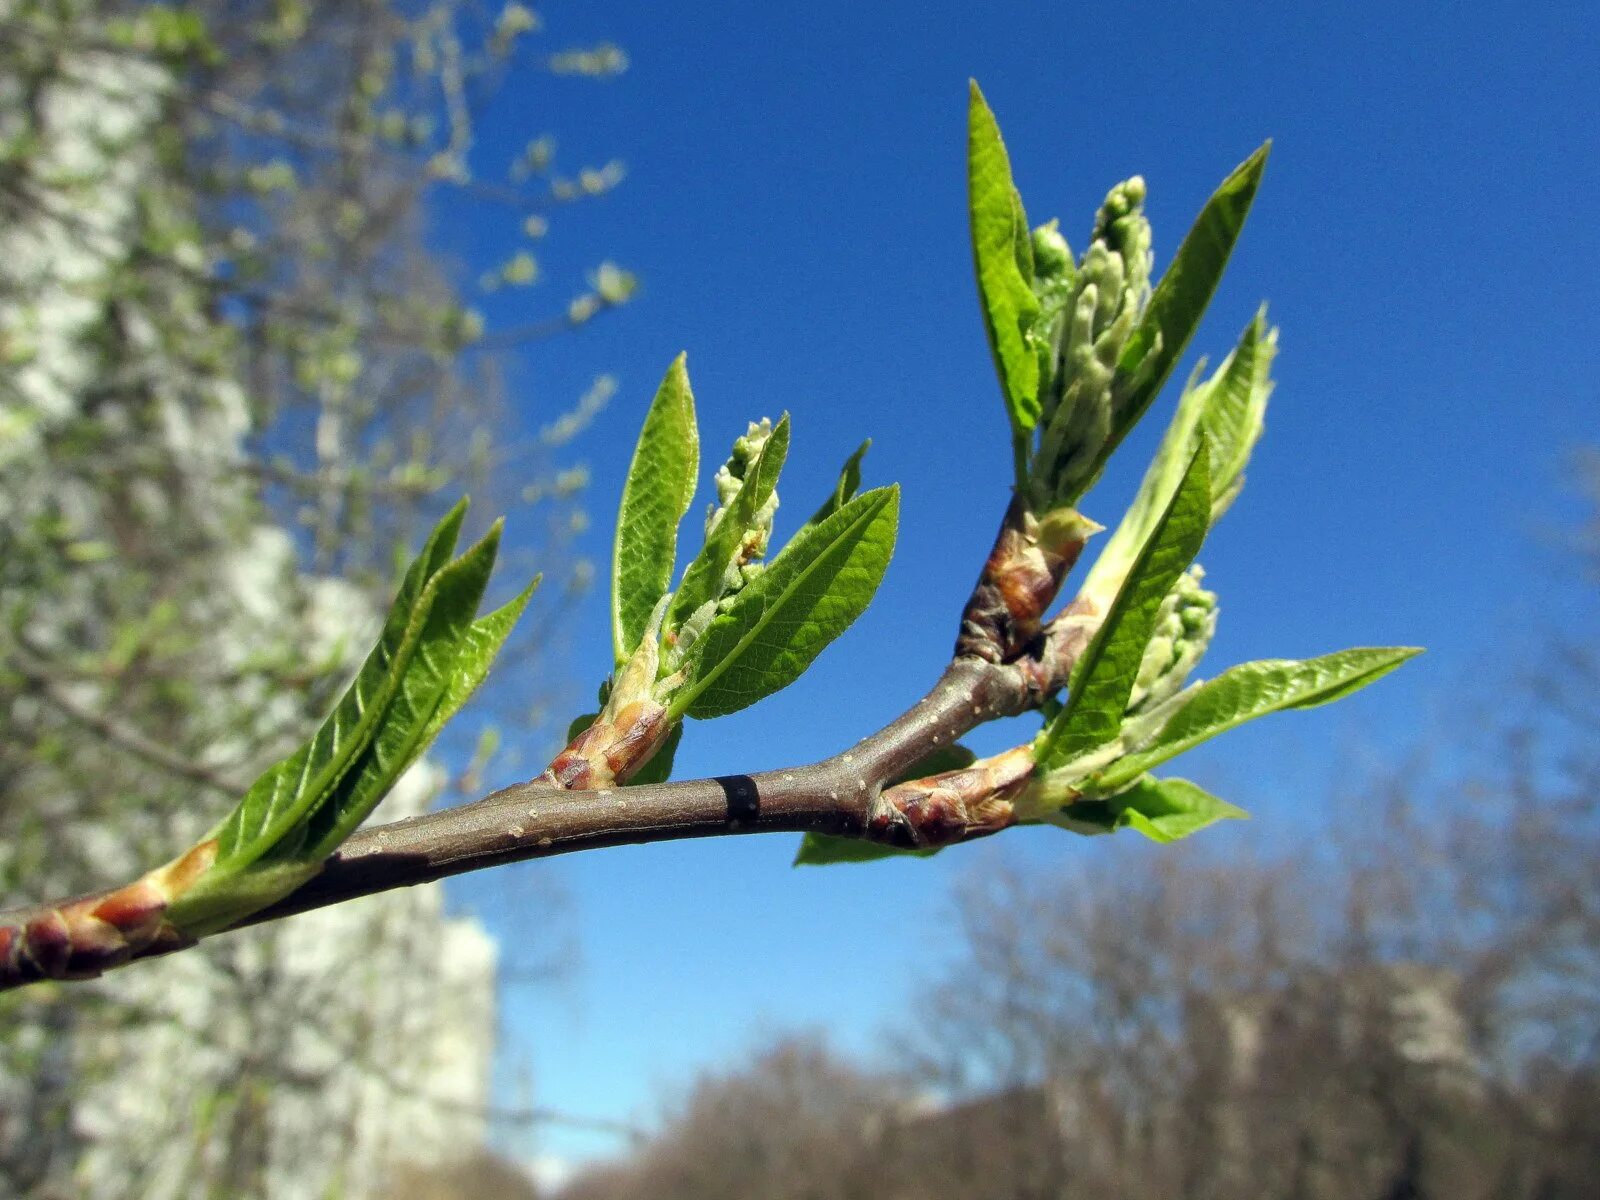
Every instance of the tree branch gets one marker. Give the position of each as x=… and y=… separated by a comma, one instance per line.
x=839, y=795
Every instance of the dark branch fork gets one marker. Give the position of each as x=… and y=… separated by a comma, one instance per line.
x=1005, y=664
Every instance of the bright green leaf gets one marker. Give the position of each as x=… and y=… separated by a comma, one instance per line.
x=1227, y=410
x=808, y=595
x=451, y=599
x=1235, y=407
x=1104, y=677
x=849, y=484
x=448, y=655
x=655, y=496
x=1165, y=810
x=408, y=728
x=1250, y=691
x=824, y=849
x=703, y=578
x=292, y=787
x=1000, y=242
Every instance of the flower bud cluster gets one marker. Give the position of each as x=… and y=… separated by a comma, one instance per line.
x=1095, y=319
x=1184, y=627
x=729, y=479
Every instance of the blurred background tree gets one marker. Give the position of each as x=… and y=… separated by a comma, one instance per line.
x=236, y=379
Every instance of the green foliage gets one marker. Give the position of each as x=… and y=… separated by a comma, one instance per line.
x=849, y=484
x=656, y=495
x=277, y=801
x=1233, y=408
x=1103, y=680
x=430, y=657
x=1246, y=692
x=1002, y=259
x=1079, y=351
x=735, y=629
x=824, y=850
x=810, y=594
x=1164, y=810
x=1227, y=412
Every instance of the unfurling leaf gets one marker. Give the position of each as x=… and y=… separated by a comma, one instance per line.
x=655, y=496
x=1246, y=692
x=1234, y=409
x=287, y=790
x=408, y=728
x=1164, y=810
x=849, y=484
x=808, y=595
x=1227, y=410
x=431, y=656
x=1104, y=678
x=824, y=849
x=999, y=231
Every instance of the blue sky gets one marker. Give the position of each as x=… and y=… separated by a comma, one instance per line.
x=795, y=207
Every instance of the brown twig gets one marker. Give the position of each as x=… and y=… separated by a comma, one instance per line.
x=848, y=795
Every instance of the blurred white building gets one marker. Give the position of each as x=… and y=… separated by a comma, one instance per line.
x=300, y=1061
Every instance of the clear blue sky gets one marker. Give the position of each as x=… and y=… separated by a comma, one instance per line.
x=1426, y=237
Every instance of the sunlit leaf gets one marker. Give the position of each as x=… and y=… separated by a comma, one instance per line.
x=849, y=483
x=290, y=788
x=1164, y=810
x=1104, y=677
x=808, y=595
x=1000, y=250
x=655, y=496
x=1253, y=690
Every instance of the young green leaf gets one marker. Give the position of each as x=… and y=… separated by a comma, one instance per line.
x=409, y=728
x=655, y=496
x=1227, y=410
x=849, y=484
x=450, y=601
x=809, y=594
x=1246, y=692
x=292, y=787
x=1235, y=406
x=1105, y=674
x=1180, y=299
x=451, y=657
x=999, y=228
x=703, y=578
x=1164, y=810
x=824, y=849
